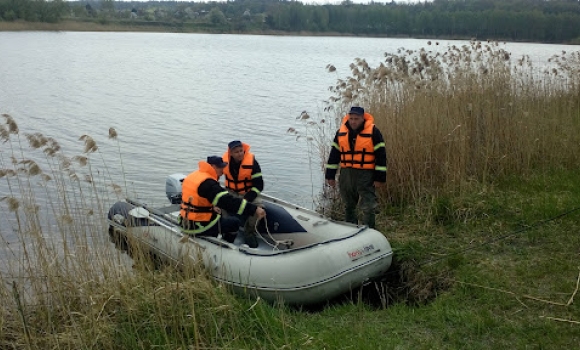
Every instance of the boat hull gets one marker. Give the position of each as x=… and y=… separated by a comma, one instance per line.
x=327, y=258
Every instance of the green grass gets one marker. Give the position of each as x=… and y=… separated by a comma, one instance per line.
x=513, y=266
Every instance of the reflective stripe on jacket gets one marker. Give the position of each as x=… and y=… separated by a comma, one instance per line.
x=243, y=182
x=363, y=154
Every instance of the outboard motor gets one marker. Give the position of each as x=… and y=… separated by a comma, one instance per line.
x=173, y=187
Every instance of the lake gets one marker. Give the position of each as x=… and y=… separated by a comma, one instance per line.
x=176, y=98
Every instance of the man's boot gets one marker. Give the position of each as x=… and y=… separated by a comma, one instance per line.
x=250, y=236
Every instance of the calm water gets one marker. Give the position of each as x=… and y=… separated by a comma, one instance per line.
x=176, y=98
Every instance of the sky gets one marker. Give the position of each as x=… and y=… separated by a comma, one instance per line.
x=321, y=2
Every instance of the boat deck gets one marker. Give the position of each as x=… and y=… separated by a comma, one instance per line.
x=286, y=227
x=266, y=242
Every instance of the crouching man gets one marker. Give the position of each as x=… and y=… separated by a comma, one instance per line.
x=203, y=199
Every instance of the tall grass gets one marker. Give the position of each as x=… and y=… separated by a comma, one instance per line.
x=52, y=229
x=470, y=113
x=65, y=286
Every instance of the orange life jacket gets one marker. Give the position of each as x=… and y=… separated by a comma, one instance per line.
x=193, y=206
x=363, y=154
x=243, y=183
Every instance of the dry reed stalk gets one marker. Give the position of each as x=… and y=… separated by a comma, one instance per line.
x=21, y=314
x=575, y=291
x=524, y=295
x=560, y=319
x=58, y=267
x=74, y=283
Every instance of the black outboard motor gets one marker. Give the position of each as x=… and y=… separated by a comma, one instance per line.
x=173, y=187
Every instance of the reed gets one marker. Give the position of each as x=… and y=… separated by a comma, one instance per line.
x=64, y=285
x=470, y=113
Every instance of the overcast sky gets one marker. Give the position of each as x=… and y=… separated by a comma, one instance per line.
x=322, y=1
x=357, y=1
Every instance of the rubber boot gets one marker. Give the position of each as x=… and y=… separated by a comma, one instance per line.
x=251, y=240
x=250, y=237
x=230, y=237
x=369, y=218
x=350, y=215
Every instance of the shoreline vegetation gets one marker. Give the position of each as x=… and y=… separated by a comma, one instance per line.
x=481, y=206
x=501, y=20
x=95, y=26
x=127, y=26
x=148, y=27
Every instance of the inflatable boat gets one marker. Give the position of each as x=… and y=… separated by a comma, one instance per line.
x=303, y=257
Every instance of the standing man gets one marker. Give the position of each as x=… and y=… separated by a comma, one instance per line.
x=359, y=149
x=244, y=180
x=203, y=200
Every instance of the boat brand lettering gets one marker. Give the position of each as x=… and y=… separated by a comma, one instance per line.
x=360, y=252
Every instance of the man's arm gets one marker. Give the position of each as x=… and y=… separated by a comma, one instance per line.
x=257, y=182
x=380, y=174
x=333, y=159
x=219, y=196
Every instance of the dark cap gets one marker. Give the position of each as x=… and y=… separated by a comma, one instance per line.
x=217, y=161
x=357, y=110
x=234, y=144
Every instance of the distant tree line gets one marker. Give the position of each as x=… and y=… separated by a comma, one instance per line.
x=33, y=10
x=514, y=20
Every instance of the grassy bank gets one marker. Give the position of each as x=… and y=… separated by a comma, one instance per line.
x=482, y=209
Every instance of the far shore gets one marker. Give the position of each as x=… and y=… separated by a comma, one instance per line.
x=78, y=26
x=155, y=27
x=158, y=27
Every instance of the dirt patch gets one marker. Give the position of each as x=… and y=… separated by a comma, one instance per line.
x=407, y=282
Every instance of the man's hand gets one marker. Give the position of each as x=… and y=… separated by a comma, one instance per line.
x=260, y=213
x=331, y=182
x=378, y=184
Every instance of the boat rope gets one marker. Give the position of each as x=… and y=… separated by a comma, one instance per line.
x=497, y=239
x=490, y=241
x=220, y=236
x=287, y=242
